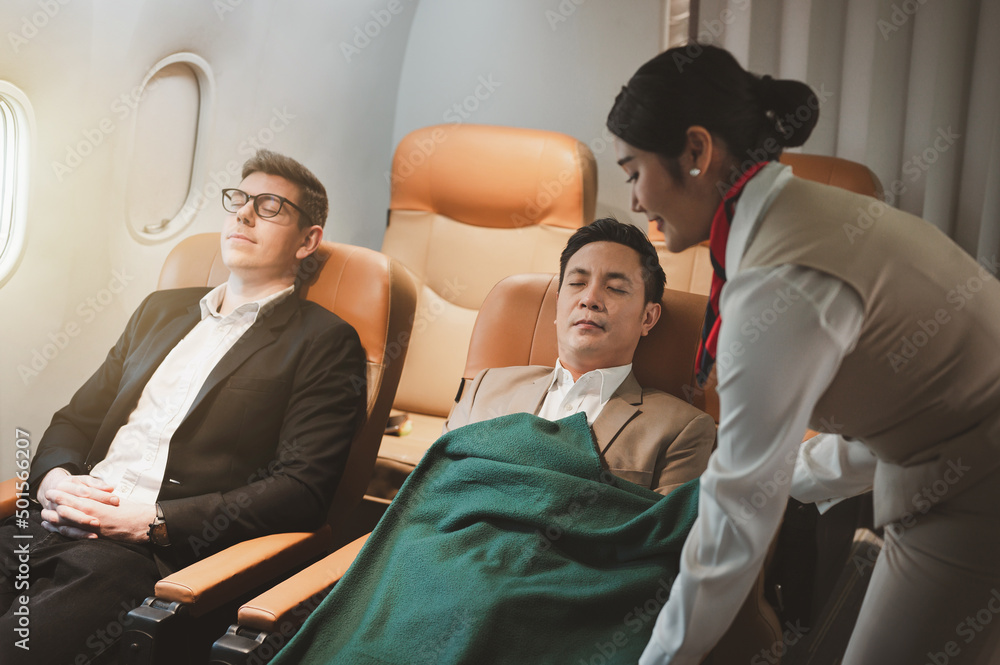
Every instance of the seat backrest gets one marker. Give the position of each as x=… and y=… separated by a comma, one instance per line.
x=835, y=171
x=472, y=204
x=691, y=270
x=515, y=327
x=370, y=291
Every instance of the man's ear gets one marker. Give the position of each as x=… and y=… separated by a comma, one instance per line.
x=650, y=316
x=310, y=241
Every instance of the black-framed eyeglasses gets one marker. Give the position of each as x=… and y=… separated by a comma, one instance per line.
x=267, y=206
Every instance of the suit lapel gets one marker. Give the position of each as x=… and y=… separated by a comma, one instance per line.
x=621, y=408
x=163, y=342
x=160, y=343
x=529, y=398
x=262, y=333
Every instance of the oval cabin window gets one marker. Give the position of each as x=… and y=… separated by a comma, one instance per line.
x=165, y=161
x=15, y=136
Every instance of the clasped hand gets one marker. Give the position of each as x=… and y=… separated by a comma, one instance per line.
x=84, y=507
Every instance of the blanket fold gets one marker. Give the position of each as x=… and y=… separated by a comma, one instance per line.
x=509, y=543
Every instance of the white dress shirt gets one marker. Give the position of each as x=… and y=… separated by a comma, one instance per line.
x=589, y=393
x=137, y=457
x=785, y=330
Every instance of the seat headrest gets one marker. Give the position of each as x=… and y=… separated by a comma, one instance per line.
x=353, y=282
x=664, y=359
x=499, y=177
x=835, y=171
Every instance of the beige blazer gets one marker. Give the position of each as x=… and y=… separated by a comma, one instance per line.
x=645, y=436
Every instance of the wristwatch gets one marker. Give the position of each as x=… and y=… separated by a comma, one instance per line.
x=158, y=530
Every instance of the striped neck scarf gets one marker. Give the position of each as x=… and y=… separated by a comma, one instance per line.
x=718, y=239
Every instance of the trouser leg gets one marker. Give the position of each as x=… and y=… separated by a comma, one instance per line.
x=79, y=596
x=934, y=596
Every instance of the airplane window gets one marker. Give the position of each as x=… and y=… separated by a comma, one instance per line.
x=15, y=115
x=167, y=143
x=677, y=22
x=164, y=141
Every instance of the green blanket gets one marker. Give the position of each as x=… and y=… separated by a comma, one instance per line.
x=507, y=544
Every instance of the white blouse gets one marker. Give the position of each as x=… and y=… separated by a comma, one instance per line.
x=784, y=332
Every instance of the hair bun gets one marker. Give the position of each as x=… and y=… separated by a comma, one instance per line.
x=791, y=106
x=765, y=88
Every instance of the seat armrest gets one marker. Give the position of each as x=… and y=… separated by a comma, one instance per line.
x=8, y=497
x=287, y=603
x=215, y=580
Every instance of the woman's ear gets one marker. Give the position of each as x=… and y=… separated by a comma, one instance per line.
x=698, y=151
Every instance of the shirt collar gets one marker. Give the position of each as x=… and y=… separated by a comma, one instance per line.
x=757, y=196
x=212, y=301
x=609, y=378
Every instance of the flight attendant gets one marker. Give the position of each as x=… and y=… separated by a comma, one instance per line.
x=882, y=335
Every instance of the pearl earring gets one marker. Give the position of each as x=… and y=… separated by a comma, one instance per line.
x=695, y=172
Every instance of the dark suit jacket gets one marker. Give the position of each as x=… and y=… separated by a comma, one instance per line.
x=645, y=436
x=264, y=443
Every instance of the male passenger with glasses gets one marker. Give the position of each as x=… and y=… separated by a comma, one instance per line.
x=168, y=439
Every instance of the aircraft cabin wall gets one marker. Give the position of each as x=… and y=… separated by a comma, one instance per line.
x=139, y=112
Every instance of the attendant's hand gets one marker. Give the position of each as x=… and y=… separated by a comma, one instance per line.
x=84, y=507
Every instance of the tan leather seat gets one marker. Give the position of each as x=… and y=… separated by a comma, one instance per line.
x=377, y=297
x=471, y=204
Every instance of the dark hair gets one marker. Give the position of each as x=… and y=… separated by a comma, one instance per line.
x=314, y=200
x=756, y=117
x=609, y=229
